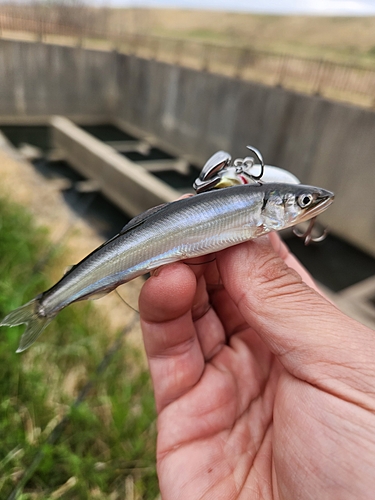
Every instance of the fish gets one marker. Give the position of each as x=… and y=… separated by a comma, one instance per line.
x=190, y=227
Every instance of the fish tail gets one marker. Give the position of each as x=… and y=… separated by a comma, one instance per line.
x=27, y=314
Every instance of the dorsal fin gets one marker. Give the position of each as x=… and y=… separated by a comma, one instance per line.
x=139, y=219
x=136, y=221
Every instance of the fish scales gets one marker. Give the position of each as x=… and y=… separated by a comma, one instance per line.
x=186, y=228
x=178, y=235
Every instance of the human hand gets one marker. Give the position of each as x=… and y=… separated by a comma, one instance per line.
x=263, y=388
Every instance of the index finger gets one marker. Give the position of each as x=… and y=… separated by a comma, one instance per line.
x=291, y=260
x=174, y=353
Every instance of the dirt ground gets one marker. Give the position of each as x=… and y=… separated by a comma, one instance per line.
x=21, y=183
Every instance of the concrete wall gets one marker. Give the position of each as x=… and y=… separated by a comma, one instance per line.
x=325, y=143
x=40, y=80
x=196, y=113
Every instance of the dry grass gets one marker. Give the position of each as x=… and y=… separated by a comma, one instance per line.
x=339, y=38
x=343, y=39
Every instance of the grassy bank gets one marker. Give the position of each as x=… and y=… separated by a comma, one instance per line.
x=107, y=448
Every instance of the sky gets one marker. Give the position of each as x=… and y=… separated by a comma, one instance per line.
x=317, y=7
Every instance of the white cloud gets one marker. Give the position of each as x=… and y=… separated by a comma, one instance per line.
x=327, y=7
x=340, y=7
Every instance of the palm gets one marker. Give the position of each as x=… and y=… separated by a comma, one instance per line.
x=224, y=427
x=224, y=424
x=233, y=422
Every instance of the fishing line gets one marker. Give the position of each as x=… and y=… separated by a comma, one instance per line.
x=124, y=301
x=200, y=263
x=189, y=264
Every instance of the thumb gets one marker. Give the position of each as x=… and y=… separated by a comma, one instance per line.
x=312, y=339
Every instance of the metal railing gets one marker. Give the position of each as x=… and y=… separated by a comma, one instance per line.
x=347, y=82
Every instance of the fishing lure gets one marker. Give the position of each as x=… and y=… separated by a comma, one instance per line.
x=218, y=173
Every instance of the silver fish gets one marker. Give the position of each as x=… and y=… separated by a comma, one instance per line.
x=183, y=229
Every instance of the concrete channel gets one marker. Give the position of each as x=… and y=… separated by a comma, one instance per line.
x=113, y=174
x=191, y=114
x=136, y=133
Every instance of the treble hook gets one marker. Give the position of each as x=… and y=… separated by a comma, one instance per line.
x=307, y=235
x=261, y=162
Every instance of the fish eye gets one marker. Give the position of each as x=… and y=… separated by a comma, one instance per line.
x=304, y=200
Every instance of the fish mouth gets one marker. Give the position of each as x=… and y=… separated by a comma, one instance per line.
x=322, y=202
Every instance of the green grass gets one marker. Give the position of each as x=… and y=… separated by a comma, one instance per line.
x=110, y=437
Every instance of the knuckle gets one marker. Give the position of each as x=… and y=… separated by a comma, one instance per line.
x=277, y=285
